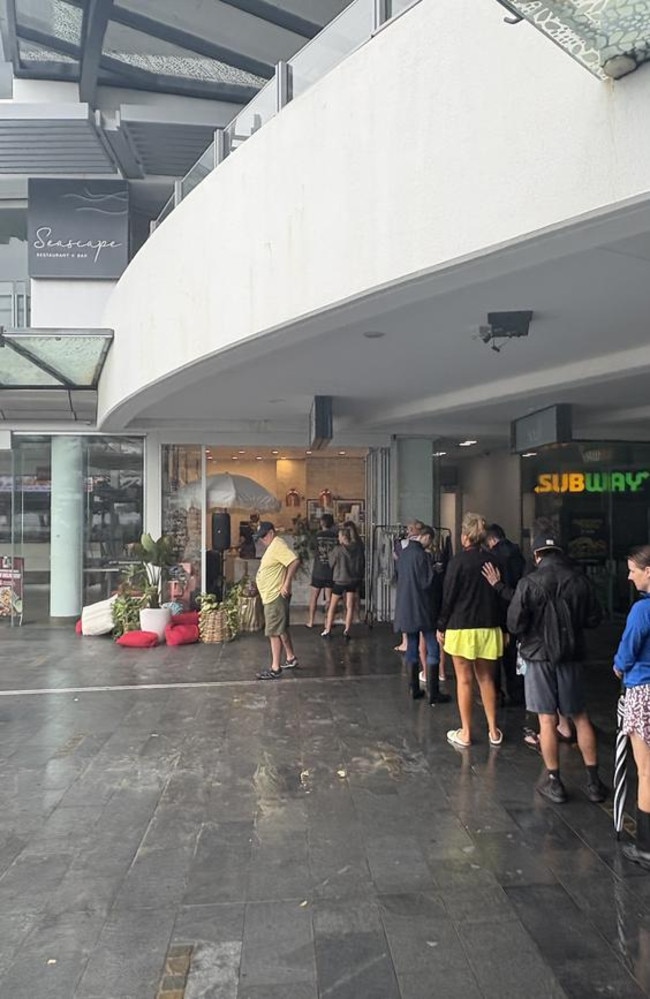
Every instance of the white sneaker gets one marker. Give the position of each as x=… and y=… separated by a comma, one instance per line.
x=423, y=678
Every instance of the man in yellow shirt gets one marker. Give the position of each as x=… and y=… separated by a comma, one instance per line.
x=275, y=575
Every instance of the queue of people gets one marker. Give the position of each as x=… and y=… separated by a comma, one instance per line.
x=485, y=609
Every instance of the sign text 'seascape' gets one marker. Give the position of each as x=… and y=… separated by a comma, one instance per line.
x=78, y=229
x=591, y=482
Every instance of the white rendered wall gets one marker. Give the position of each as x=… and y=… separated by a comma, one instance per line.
x=69, y=304
x=449, y=133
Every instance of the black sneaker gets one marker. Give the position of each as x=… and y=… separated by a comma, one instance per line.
x=553, y=790
x=631, y=852
x=270, y=674
x=596, y=791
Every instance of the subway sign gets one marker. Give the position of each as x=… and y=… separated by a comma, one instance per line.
x=591, y=482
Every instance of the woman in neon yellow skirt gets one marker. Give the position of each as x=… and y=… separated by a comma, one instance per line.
x=470, y=627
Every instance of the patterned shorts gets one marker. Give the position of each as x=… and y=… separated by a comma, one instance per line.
x=636, y=712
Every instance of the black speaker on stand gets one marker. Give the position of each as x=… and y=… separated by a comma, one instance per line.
x=214, y=557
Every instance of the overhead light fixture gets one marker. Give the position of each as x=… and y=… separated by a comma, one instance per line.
x=466, y=443
x=242, y=452
x=374, y=335
x=259, y=457
x=307, y=452
x=438, y=454
x=235, y=457
x=275, y=452
x=342, y=452
x=529, y=454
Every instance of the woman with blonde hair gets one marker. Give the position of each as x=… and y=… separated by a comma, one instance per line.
x=470, y=628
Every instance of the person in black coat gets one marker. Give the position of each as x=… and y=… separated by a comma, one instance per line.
x=511, y=564
x=416, y=612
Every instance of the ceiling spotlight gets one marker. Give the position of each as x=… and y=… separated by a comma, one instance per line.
x=275, y=452
x=242, y=452
x=438, y=454
x=466, y=443
x=307, y=452
x=259, y=458
x=341, y=452
x=235, y=457
x=529, y=454
x=374, y=335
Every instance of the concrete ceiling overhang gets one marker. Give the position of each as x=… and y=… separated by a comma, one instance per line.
x=429, y=373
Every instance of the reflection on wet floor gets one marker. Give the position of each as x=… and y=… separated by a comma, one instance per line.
x=312, y=837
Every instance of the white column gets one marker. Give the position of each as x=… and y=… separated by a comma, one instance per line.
x=67, y=527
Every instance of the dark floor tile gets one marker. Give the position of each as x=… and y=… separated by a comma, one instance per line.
x=129, y=955
x=296, y=990
x=209, y=923
x=219, y=870
x=278, y=944
x=352, y=953
x=505, y=961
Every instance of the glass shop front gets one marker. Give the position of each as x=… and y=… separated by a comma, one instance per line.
x=596, y=496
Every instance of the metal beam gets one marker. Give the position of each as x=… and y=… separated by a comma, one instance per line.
x=266, y=11
x=49, y=41
x=12, y=31
x=141, y=79
x=185, y=40
x=62, y=71
x=95, y=20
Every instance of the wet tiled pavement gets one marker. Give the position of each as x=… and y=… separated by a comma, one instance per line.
x=310, y=837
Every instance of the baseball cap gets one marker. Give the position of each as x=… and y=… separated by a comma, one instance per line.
x=264, y=527
x=543, y=541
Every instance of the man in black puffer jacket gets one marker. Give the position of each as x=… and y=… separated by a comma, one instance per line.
x=548, y=612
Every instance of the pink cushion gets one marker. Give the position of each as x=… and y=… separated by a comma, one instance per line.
x=181, y=634
x=187, y=617
x=77, y=627
x=138, y=639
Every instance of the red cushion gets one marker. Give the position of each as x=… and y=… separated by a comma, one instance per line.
x=181, y=634
x=77, y=627
x=138, y=639
x=186, y=617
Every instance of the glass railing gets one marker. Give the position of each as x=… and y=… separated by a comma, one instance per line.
x=354, y=26
x=349, y=30
x=261, y=109
x=199, y=171
x=14, y=305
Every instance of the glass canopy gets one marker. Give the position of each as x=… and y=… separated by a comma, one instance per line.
x=223, y=49
x=49, y=359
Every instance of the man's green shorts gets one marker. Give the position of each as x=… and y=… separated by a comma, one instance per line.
x=276, y=616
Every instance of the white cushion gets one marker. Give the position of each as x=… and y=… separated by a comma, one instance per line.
x=97, y=619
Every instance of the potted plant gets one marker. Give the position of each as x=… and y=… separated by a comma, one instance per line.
x=156, y=558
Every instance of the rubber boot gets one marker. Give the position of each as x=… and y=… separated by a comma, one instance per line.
x=639, y=852
x=435, y=697
x=414, y=685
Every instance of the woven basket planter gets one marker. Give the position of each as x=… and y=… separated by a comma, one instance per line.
x=213, y=626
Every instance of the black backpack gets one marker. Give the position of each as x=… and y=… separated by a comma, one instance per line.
x=557, y=631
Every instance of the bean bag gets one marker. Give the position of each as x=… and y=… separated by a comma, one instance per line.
x=138, y=639
x=181, y=634
x=97, y=619
x=186, y=617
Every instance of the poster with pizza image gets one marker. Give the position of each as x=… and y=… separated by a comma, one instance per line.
x=12, y=572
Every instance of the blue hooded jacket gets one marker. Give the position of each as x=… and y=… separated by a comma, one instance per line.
x=632, y=658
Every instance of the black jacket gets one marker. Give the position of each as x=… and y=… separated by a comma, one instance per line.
x=419, y=590
x=526, y=610
x=468, y=600
x=507, y=556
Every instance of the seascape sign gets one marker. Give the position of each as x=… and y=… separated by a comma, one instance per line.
x=78, y=229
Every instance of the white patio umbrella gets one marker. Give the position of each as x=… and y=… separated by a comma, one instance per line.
x=228, y=492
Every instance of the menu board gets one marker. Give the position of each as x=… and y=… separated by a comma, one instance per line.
x=12, y=574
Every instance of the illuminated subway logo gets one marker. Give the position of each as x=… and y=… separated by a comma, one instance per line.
x=591, y=482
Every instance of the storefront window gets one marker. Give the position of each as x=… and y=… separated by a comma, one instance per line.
x=182, y=507
x=596, y=497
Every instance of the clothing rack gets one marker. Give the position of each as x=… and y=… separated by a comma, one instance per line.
x=380, y=581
